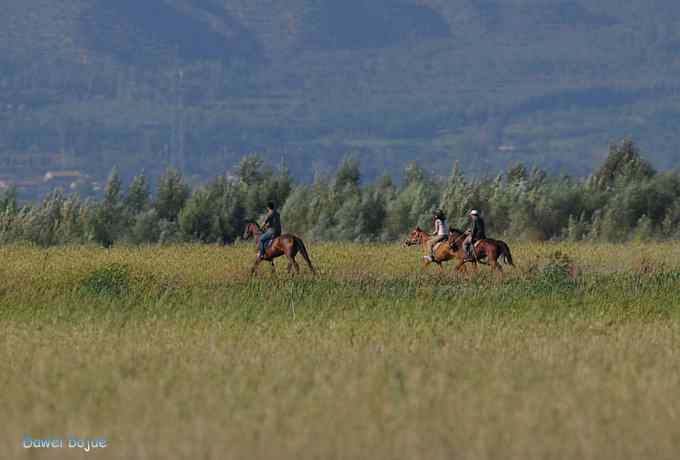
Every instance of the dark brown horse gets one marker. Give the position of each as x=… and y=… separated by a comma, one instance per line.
x=284, y=245
x=487, y=251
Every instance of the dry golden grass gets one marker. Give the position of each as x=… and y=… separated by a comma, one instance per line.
x=183, y=356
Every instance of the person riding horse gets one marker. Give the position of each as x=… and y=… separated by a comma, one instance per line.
x=441, y=233
x=280, y=245
x=272, y=226
x=476, y=233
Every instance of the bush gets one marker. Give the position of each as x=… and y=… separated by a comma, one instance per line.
x=559, y=271
x=111, y=280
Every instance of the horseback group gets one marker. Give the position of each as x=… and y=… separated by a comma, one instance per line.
x=444, y=244
x=472, y=246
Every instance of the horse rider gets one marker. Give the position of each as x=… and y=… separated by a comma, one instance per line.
x=272, y=228
x=441, y=233
x=477, y=232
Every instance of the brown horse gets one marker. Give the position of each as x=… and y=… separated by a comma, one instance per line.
x=442, y=251
x=284, y=245
x=487, y=251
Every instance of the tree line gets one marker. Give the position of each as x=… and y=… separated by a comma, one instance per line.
x=624, y=199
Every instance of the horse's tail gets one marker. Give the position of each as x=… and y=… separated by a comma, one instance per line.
x=504, y=251
x=305, y=255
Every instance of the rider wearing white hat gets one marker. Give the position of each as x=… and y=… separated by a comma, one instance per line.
x=476, y=233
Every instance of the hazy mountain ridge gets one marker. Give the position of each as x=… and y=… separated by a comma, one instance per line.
x=199, y=82
x=140, y=31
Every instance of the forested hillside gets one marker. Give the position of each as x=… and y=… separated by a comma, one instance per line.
x=196, y=84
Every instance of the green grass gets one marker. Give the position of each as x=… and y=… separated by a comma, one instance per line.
x=176, y=353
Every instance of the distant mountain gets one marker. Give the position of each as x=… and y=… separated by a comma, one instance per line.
x=136, y=31
x=88, y=84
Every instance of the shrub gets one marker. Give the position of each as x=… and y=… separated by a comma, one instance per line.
x=111, y=280
x=558, y=271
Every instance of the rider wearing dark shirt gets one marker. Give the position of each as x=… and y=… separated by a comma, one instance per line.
x=272, y=226
x=477, y=232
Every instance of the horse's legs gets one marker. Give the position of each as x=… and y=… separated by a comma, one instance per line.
x=292, y=263
x=273, y=267
x=255, y=265
x=496, y=266
x=493, y=263
x=492, y=256
x=460, y=265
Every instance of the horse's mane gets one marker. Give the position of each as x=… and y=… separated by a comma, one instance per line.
x=253, y=226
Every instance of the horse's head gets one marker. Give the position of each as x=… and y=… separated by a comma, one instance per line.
x=416, y=237
x=455, y=233
x=250, y=231
x=456, y=238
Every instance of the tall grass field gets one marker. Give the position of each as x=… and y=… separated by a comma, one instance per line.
x=176, y=353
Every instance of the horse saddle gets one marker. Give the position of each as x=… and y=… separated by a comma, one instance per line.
x=440, y=245
x=477, y=252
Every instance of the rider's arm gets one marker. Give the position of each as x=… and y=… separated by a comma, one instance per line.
x=266, y=219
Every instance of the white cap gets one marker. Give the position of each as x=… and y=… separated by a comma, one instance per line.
x=474, y=212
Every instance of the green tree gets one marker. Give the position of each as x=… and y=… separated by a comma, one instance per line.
x=281, y=185
x=413, y=174
x=454, y=197
x=644, y=230
x=8, y=201
x=40, y=224
x=249, y=170
x=296, y=210
x=518, y=173
x=145, y=228
x=347, y=176
x=196, y=220
x=138, y=197
x=112, y=191
x=372, y=215
x=171, y=196
x=108, y=220
x=347, y=226
x=623, y=165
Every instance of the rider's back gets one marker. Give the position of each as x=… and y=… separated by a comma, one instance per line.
x=273, y=222
x=441, y=227
x=478, y=229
